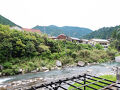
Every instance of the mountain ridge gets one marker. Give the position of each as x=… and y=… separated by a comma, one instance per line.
x=71, y=31
x=6, y=21
x=102, y=33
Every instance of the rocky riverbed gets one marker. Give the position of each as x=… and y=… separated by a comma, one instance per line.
x=32, y=79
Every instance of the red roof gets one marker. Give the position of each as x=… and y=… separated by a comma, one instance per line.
x=62, y=36
x=31, y=30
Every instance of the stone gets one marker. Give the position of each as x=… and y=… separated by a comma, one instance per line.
x=80, y=63
x=0, y=73
x=52, y=68
x=37, y=69
x=23, y=71
x=20, y=70
x=89, y=70
x=34, y=71
x=117, y=59
x=44, y=68
x=1, y=67
x=58, y=63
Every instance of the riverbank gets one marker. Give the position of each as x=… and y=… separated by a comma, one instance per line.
x=96, y=70
x=40, y=64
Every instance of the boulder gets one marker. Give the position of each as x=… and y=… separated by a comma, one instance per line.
x=89, y=70
x=34, y=71
x=37, y=69
x=20, y=70
x=80, y=63
x=117, y=59
x=1, y=67
x=0, y=73
x=44, y=69
x=58, y=63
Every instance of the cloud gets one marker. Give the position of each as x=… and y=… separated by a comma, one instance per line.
x=83, y=13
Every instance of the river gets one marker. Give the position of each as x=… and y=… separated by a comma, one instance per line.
x=98, y=69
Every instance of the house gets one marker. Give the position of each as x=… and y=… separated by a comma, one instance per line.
x=52, y=37
x=62, y=37
x=103, y=42
x=16, y=28
x=32, y=30
x=77, y=40
x=65, y=37
x=84, y=41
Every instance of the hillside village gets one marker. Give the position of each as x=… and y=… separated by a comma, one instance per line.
x=93, y=42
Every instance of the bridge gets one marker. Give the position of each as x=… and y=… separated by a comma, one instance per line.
x=80, y=82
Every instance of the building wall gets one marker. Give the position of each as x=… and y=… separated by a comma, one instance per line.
x=104, y=44
x=17, y=28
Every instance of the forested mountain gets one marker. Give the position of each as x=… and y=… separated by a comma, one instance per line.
x=6, y=21
x=102, y=33
x=67, y=30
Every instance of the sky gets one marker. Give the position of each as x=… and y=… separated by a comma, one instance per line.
x=93, y=14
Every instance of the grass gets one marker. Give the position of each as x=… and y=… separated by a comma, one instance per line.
x=109, y=77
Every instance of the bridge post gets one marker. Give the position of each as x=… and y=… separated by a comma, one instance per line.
x=118, y=76
x=84, y=81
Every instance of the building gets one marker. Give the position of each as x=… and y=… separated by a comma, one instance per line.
x=32, y=30
x=65, y=37
x=84, y=41
x=73, y=39
x=16, y=28
x=52, y=37
x=103, y=42
x=62, y=37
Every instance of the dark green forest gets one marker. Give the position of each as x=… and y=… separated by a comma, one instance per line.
x=6, y=21
x=102, y=33
x=67, y=30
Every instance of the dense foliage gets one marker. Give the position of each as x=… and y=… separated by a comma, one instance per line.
x=28, y=51
x=102, y=33
x=115, y=41
x=67, y=30
x=5, y=21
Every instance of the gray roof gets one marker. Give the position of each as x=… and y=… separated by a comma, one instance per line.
x=84, y=40
x=100, y=40
x=75, y=38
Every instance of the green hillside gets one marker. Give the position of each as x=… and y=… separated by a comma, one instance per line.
x=67, y=30
x=102, y=33
x=6, y=21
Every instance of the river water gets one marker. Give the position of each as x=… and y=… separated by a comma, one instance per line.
x=98, y=69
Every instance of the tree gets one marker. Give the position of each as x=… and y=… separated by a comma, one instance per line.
x=99, y=47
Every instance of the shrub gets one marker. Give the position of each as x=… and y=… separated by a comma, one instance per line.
x=99, y=47
x=84, y=53
x=74, y=55
x=7, y=65
x=111, y=52
x=8, y=72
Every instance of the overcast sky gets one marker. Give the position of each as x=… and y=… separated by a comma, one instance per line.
x=91, y=14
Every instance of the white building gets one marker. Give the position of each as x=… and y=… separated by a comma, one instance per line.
x=103, y=42
x=84, y=41
x=16, y=28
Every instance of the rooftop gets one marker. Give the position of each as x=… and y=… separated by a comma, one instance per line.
x=100, y=40
x=31, y=30
x=75, y=38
